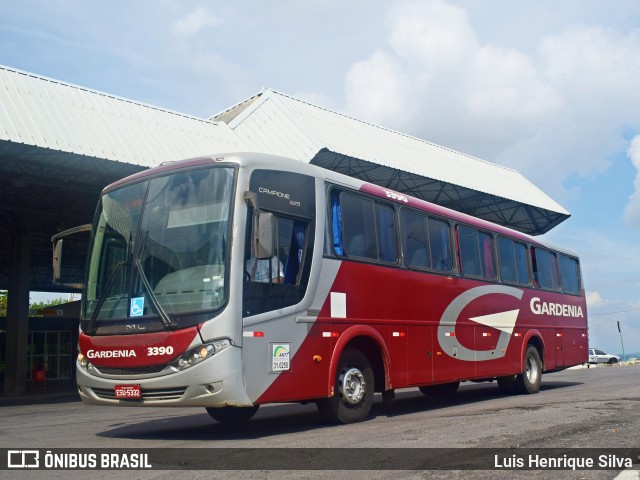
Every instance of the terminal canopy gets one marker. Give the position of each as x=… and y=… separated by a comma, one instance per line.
x=272, y=122
x=60, y=144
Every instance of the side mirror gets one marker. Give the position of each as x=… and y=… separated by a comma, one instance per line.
x=57, y=260
x=58, y=242
x=264, y=228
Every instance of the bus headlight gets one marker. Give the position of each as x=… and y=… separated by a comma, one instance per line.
x=84, y=363
x=198, y=354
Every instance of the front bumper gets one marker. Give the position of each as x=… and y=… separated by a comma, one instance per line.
x=215, y=382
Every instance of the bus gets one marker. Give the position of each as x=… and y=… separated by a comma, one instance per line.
x=237, y=280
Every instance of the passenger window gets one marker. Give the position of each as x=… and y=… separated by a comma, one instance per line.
x=545, y=270
x=426, y=242
x=387, y=233
x=569, y=274
x=440, y=245
x=476, y=252
x=513, y=261
x=363, y=228
x=415, y=241
x=358, y=227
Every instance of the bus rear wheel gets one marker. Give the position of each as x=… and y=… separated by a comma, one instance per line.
x=232, y=415
x=353, y=390
x=529, y=381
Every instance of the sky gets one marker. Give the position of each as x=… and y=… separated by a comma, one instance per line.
x=549, y=88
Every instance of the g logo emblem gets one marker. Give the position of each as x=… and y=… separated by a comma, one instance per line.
x=503, y=321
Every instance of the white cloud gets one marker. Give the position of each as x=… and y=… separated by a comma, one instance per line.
x=632, y=210
x=433, y=34
x=560, y=108
x=385, y=100
x=195, y=21
x=594, y=300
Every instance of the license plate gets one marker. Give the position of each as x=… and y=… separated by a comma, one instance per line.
x=128, y=391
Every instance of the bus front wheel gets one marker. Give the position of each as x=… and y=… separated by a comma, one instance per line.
x=353, y=390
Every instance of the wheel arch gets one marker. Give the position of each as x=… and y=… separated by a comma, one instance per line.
x=370, y=342
x=534, y=338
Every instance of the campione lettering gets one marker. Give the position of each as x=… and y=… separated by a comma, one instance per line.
x=273, y=192
x=539, y=307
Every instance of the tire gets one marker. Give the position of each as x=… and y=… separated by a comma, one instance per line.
x=612, y=361
x=232, y=415
x=529, y=381
x=353, y=390
x=508, y=385
x=443, y=391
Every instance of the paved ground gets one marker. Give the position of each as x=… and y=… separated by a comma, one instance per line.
x=596, y=408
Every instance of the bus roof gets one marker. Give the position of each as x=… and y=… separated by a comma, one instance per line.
x=254, y=160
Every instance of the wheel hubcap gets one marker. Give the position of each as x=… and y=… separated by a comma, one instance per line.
x=532, y=370
x=352, y=385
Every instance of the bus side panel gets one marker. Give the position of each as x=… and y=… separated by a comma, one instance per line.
x=309, y=369
x=576, y=346
x=398, y=353
x=477, y=322
x=419, y=342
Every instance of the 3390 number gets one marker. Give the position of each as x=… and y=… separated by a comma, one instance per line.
x=396, y=196
x=158, y=351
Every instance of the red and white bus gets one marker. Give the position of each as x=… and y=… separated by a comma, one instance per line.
x=237, y=280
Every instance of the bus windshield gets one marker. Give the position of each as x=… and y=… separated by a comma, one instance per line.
x=158, y=252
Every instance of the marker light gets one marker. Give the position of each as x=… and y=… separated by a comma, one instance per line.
x=200, y=353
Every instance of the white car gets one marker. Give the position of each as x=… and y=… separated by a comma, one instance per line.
x=598, y=356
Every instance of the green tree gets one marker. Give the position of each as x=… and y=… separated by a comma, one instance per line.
x=35, y=306
x=3, y=303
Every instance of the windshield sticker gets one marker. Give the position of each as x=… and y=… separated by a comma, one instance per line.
x=137, y=307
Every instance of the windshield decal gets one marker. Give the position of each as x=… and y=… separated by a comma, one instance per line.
x=137, y=307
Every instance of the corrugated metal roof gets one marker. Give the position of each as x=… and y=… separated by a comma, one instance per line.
x=46, y=113
x=276, y=123
x=58, y=117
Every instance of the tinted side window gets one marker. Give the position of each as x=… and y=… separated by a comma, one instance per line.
x=414, y=239
x=440, y=245
x=469, y=253
x=513, y=261
x=545, y=270
x=387, y=233
x=363, y=228
x=476, y=252
x=426, y=242
x=358, y=226
x=569, y=274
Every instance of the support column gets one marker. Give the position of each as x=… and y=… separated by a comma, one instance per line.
x=15, y=375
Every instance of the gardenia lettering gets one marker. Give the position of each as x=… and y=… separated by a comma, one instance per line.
x=111, y=353
x=558, y=309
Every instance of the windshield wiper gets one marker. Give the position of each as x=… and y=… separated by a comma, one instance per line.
x=91, y=327
x=164, y=316
x=166, y=320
